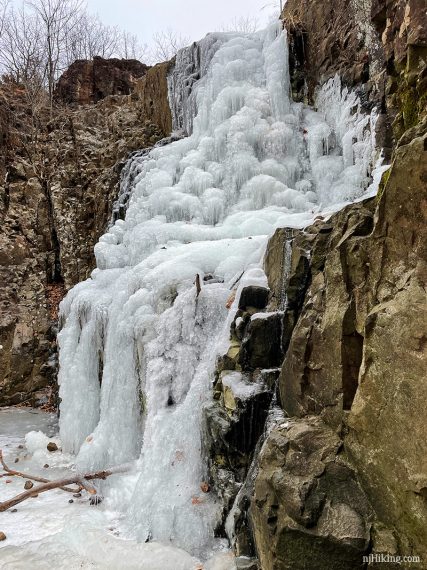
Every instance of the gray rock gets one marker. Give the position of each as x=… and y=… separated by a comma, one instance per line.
x=253, y=296
x=309, y=510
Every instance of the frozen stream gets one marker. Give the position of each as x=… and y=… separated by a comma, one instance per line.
x=49, y=532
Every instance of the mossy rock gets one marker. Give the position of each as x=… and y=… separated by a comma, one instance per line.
x=383, y=184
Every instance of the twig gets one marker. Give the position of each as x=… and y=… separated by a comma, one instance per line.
x=32, y=477
x=198, y=285
x=89, y=488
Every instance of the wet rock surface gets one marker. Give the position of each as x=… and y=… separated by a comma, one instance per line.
x=378, y=47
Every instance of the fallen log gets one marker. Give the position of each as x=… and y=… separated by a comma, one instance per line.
x=77, y=479
x=32, y=477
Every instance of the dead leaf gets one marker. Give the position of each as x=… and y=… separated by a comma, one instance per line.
x=230, y=300
x=179, y=455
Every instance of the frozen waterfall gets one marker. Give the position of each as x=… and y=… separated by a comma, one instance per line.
x=137, y=348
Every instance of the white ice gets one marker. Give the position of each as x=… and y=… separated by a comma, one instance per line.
x=138, y=345
x=48, y=531
x=240, y=386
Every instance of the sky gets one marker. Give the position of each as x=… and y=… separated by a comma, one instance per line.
x=190, y=18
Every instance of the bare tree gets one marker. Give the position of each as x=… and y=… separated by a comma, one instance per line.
x=41, y=38
x=4, y=12
x=244, y=24
x=89, y=37
x=129, y=47
x=21, y=53
x=57, y=18
x=166, y=44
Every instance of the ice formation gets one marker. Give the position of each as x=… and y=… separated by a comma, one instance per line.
x=138, y=344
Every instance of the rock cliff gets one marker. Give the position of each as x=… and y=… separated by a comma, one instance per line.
x=59, y=181
x=89, y=81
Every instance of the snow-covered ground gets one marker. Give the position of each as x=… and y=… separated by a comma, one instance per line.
x=49, y=532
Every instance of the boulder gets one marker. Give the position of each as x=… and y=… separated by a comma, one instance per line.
x=253, y=296
x=309, y=510
x=261, y=345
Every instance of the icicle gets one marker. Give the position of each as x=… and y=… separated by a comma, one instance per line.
x=137, y=350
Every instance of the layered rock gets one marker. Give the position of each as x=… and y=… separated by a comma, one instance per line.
x=58, y=188
x=89, y=81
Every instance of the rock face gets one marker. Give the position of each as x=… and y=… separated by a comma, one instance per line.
x=309, y=509
x=387, y=426
x=320, y=371
x=152, y=90
x=89, y=81
x=58, y=187
x=356, y=360
x=377, y=46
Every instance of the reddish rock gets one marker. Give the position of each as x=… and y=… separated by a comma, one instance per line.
x=89, y=81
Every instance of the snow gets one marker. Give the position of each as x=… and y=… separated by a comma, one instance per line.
x=138, y=345
x=262, y=316
x=239, y=385
x=49, y=531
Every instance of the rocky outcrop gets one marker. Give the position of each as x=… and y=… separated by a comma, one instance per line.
x=309, y=509
x=243, y=391
x=351, y=292
x=152, y=90
x=354, y=368
x=320, y=371
x=387, y=427
x=402, y=26
x=377, y=46
x=89, y=81
x=58, y=186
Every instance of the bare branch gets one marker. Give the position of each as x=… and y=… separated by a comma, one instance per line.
x=12, y=472
x=77, y=479
x=245, y=24
x=166, y=45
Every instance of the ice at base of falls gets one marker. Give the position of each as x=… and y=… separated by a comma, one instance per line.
x=138, y=344
x=49, y=532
